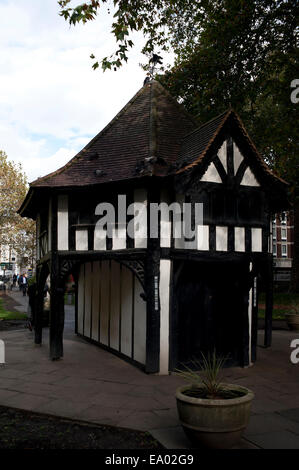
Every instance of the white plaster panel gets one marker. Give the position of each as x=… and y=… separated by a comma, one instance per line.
x=222, y=154
x=239, y=239
x=256, y=239
x=119, y=238
x=96, y=290
x=81, y=303
x=62, y=223
x=203, y=237
x=249, y=179
x=126, y=311
x=211, y=175
x=88, y=285
x=238, y=157
x=115, y=305
x=221, y=238
x=105, y=302
x=164, y=289
x=81, y=240
x=140, y=225
x=180, y=242
x=100, y=239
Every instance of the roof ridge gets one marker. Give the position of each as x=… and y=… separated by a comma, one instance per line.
x=178, y=105
x=227, y=112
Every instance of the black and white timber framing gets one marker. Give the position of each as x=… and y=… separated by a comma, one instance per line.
x=160, y=302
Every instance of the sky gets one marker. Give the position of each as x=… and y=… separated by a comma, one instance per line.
x=51, y=101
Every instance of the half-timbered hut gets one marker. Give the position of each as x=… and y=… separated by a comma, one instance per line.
x=160, y=302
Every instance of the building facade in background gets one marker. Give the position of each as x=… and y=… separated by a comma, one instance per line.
x=283, y=246
x=11, y=263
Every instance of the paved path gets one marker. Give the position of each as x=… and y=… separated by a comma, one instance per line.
x=93, y=385
x=21, y=301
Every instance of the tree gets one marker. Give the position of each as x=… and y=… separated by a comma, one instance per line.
x=227, y=53
x=247, y=58
x=16, y=232
x=156, y=19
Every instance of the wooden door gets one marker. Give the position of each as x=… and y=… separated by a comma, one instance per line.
x=210, y=311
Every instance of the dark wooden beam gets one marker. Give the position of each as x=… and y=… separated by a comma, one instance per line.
x=254, y=321
x=269, y=303
x=152, y=282
x=56, y=311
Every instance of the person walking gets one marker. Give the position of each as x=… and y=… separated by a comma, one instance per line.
x=20, y=282
x=14, y=280
x=32, y=303
x=24, y=284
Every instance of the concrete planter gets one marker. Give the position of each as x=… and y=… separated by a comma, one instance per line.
x=214, y=424
x=292, y=320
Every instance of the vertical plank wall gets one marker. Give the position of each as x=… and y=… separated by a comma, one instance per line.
x=110, y=309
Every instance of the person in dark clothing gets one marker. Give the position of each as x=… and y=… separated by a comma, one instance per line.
x=32, y=304
x=24, y=285
x=20, y=282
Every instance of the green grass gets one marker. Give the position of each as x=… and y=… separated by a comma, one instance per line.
x=278, y=314
x=7, y=315
x=283, y=300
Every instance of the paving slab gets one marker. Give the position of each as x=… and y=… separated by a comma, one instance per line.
x=175, y=438
x=291, y=414
x=94, y=385
x=268, y=422
x=276, y=440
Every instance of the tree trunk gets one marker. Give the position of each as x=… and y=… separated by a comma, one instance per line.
x=294, y=286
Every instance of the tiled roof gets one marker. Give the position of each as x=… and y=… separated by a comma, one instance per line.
x=195, y=145
x=152, y=135
x=143, y=139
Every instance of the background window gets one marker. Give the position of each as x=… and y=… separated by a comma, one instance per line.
x=274, y=249
x=283, y=217
x=284, y=250
x=274, y=233
x=283, y=233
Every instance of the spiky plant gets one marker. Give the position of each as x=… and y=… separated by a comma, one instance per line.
x=205, y=375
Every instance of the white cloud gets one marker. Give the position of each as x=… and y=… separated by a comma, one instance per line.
x=39, y=167
x=51, y=101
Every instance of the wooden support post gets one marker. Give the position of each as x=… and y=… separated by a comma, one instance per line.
x=269, y=303
x=38, y=320
x=245, y=336
x=254, y=327
x=152, y=282
x=41, y=277
x=56, y=311
x=152, y=274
